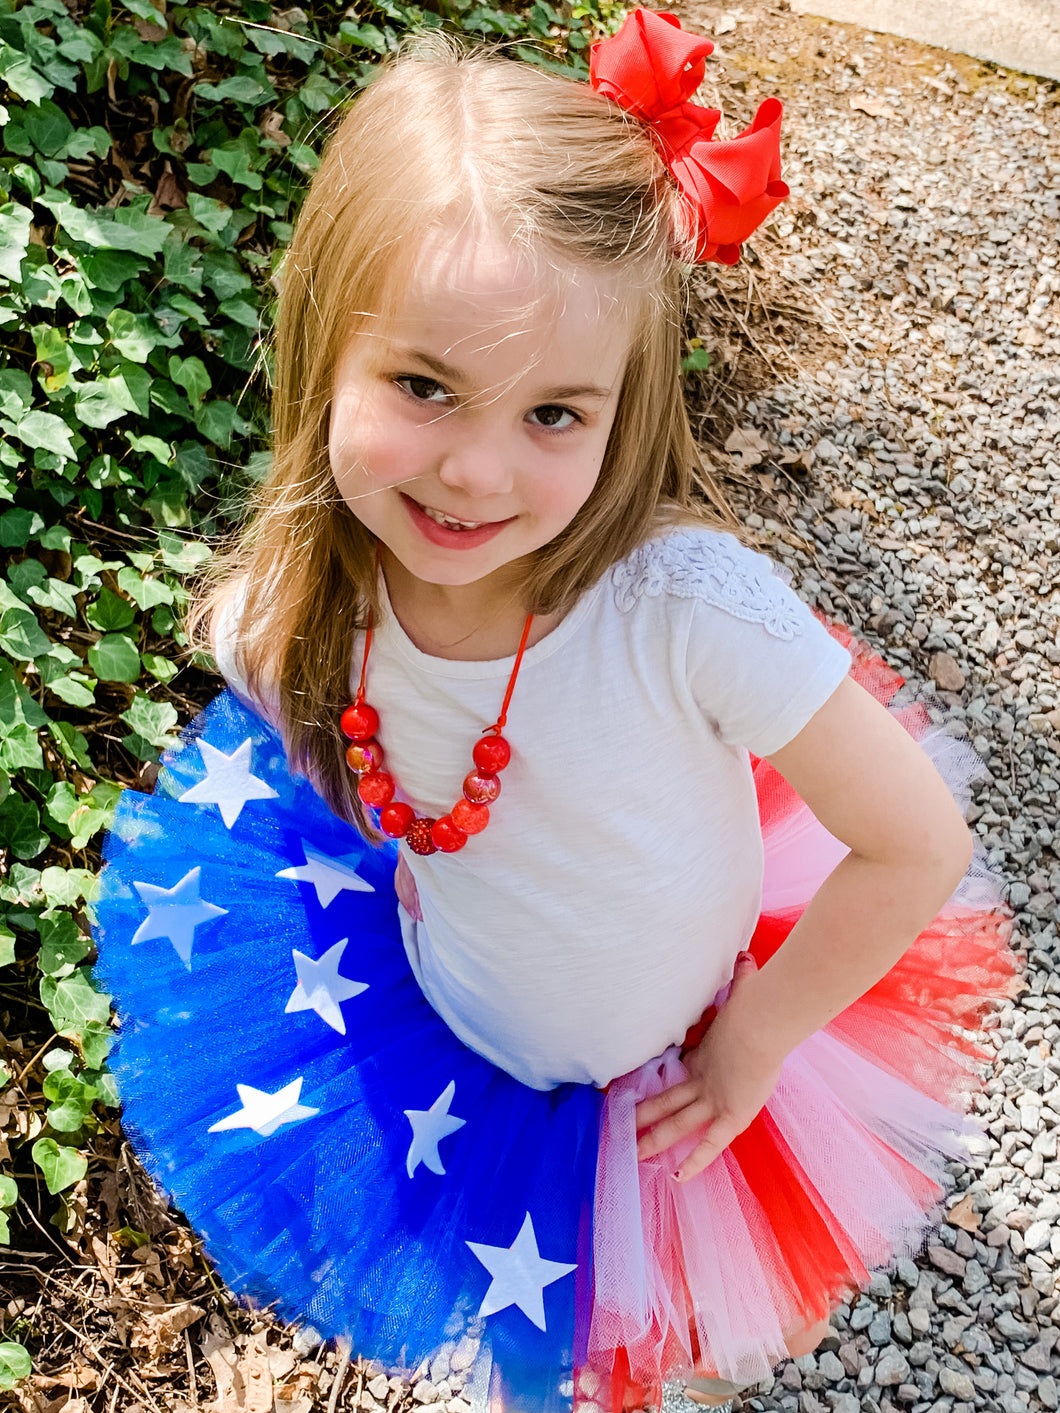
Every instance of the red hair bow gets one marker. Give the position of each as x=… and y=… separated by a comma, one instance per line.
x=651, y=67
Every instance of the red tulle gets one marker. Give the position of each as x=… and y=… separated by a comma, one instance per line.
x=918, y=1024
x=652, y=68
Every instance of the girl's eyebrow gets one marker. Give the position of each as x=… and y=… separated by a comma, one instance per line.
x=591, y=392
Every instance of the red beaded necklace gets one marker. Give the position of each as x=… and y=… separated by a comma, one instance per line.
x=376, y=787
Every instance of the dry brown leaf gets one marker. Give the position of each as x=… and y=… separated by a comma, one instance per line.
x=75, y=1375
x=31, y=1400
x=271, y=128
x=801, y=459
x=297, y=1394
x=747, y=447
x=219, y=1351
x=875, y=107
x=159, y=1332
x=168, y=195
x=963, y=1214
x=106, y=1259
x=148, y=31
x=257, y=1380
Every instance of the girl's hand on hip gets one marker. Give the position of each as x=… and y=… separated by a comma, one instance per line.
x=728, y=1086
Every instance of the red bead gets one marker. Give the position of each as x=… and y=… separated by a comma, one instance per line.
x=492, y=753
x=376, y=789
x=472, y=819
x=360, y=721
x=396, y=818
x=419, y=838
x=447, y=836
x=364, y=756
x=481, y=788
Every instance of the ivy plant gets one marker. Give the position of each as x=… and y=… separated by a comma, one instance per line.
x=152, y=159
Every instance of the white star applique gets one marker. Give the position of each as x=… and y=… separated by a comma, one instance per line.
x=175, y=913
x=228, y=783
x=264, y=1112
x=520, y=1275
x=320, y=987
x=429, y=1127
x=327, y=875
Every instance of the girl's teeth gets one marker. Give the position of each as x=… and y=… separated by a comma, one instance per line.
x=449, y=522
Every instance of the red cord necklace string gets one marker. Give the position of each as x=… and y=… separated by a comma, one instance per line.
x=377, y=787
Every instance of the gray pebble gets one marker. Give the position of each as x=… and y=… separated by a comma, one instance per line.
x=892, y=1368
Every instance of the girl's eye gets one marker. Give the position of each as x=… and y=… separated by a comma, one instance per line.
x=554, y=417
x=423, y=389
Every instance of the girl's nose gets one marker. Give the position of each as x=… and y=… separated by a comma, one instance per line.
x=480, y=466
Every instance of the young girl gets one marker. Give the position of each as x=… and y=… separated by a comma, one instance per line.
x=597, y=1104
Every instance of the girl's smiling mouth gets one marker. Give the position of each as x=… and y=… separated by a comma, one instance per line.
x=449, y=531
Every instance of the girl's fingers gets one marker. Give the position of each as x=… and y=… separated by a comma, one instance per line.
x=661, y=1106
x=691, y=1119
x=704, y=1153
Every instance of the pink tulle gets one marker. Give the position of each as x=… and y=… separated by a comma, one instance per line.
x=841, y=1171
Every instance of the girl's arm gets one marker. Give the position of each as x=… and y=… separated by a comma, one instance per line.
x=872, y=787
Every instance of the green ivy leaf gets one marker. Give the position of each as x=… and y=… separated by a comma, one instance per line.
x=57, y=595
x=115, y=659
x=145, y=593
x=17, y=526
x=62, y=1168
x=48, y=128
x=212, y=215
x=8, y=1191
x=45, y=430
x=7, y=946
x=73, y=1000
x=191, y=375
x=133, y=335
x=151, y=446
x=21, y=635
x=153, y=724
x=110, y=270
x=219, y=422
x=696, y=361
x=15, y=1362
x=20, y=829
x=71, y=743
x=21, y=77
x=62, y=945
x=93, y=813
x=182, y=556
x=66, y=887
x=96, y=1040
x=242, y=88
x=71, y=1101
x=161, y=668
x=110, y=612
x=15, y=223
x=128, y=229
x=74, y=688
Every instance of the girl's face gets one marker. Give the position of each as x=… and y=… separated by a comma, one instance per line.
x=468, y=432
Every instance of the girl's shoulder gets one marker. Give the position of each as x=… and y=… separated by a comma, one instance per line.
x=712, y=566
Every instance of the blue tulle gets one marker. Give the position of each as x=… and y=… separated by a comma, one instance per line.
x=319, y=1218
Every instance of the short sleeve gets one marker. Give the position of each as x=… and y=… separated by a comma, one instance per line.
x=759, y=663
x=224, y=638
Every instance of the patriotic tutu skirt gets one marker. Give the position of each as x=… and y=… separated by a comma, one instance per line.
x=352, y=1165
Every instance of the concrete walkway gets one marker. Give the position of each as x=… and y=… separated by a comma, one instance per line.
x=1020, y=34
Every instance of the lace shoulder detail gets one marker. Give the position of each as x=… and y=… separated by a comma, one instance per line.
x=696, y=564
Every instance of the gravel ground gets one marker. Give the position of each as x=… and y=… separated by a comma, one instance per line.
x=886, y=379
x=909, y=453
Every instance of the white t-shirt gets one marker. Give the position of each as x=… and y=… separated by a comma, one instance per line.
x=598, y=915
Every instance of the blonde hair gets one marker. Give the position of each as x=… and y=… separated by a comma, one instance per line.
x=445, y=133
